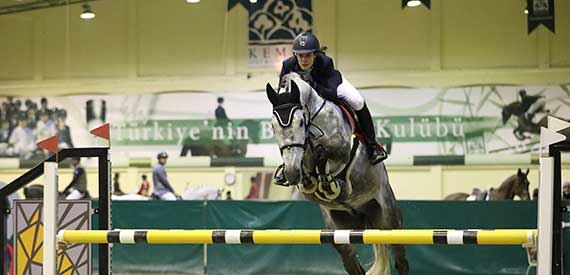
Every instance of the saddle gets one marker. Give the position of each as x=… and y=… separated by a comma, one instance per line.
x=349, y=114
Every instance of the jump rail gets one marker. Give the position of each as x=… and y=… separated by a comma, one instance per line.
x=404, y=236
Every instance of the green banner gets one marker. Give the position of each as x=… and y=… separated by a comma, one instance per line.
x=259, y=131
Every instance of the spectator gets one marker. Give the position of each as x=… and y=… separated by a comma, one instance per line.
x=45, y=127
x=220, y=112
x=229, y=195
x=4, y=131
x=44, y=107
x=63, y=131
x=116, y=186
x=145, y=187
x=162, y=188
x=566, y=191
x=253, y=189
x=535, y=194
x=77, y=188
x=22, y=139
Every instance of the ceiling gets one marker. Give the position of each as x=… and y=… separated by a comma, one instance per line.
x=15, y=6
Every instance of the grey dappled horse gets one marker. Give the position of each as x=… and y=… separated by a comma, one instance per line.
x=316, y=145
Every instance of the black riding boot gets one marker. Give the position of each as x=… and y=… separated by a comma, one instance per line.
x=376, y=152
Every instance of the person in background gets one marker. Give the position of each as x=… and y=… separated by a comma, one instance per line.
x=229, y=195
x=117, y=186
x=63, y=131
x=220, y=112
x=45, y=127
x=566, y=191
x=22, y=139
x=145, y=187
x=253, y=189
x=162, y=188
x=77, y=188
x=531, y=104
x=535, y=194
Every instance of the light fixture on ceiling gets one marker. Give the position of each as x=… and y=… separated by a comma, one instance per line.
x=87, y=12
x=192, y=1
x=525, y=11
x=253, y=1
x=415, y=3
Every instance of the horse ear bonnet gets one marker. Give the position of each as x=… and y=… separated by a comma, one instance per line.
x=284, y=113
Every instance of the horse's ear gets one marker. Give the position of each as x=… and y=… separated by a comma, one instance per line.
x=295, y=91
x=271, y=94
x=519, y=172
x=527, y=171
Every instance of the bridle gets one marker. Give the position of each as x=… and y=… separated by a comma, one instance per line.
x=288, y=110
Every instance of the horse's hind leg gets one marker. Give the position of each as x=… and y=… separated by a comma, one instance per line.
x=388, y=216
x=343, y=220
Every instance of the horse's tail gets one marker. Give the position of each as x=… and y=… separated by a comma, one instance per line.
x=381, y=264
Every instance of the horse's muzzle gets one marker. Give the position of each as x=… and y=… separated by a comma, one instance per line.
x=293, y=175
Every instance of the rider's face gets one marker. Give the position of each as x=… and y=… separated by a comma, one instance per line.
x=305, y=60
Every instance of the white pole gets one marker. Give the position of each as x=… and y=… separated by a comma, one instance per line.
x=50, y=218
x=545, y=197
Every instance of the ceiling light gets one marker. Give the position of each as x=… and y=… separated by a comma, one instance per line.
x=253, y=1
x=87, y=13
x=192, y=1
x=414, y=3
x=525, y=11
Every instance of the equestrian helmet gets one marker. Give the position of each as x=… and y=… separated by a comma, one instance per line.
x=162, y=155
x=306, y=42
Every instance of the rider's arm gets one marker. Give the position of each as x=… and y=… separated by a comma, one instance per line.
x=332, y=79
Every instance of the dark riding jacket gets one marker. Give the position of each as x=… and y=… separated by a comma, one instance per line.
x=324, y=77
x=528, y=100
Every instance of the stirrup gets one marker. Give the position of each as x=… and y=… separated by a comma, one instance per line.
x=279, y=176
x=376, y=153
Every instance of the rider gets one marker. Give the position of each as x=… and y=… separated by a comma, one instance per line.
x=317, y=69
x=531, y=104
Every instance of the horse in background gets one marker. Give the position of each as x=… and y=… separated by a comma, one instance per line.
x=524, y=125
x=331, y=168
x=515, y=185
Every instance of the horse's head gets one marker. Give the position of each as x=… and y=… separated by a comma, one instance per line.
x=514, y=108
x=289, y=125
x=520, y=187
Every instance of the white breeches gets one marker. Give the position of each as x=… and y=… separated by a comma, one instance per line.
x=535, y=107
x=348, y=93
x=168, y=197
x=74, y=195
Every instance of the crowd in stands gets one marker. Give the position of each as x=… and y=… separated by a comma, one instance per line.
x=22, y=125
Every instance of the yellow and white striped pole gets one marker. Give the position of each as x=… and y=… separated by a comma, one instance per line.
x=404, y=236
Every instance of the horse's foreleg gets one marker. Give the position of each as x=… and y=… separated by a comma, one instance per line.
x=387, y=215
x=344, y=220
x=349, y=259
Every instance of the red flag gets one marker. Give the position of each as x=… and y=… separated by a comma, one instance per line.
x=49, y=144
x=102, y=131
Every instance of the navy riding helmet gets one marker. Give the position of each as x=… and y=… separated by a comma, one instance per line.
x=306, y=42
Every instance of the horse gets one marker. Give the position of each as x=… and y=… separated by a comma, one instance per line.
x=525, y=125
x=332, y=169
x=515, y=185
